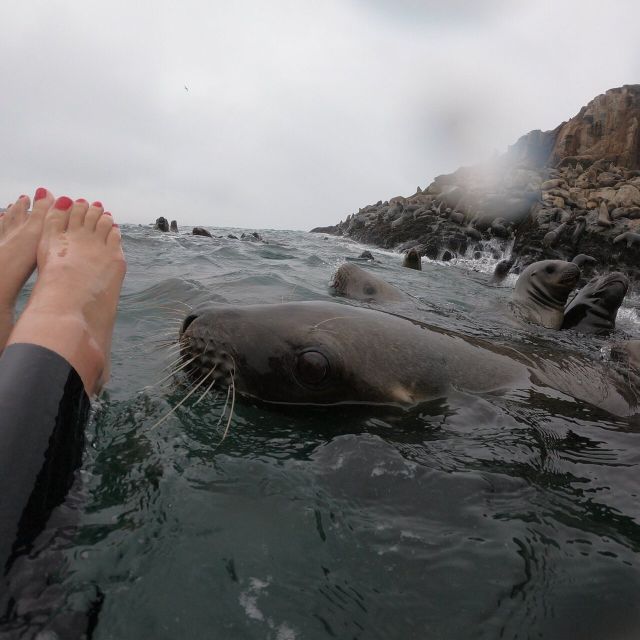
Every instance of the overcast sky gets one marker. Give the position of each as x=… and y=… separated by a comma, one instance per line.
x=295, y=112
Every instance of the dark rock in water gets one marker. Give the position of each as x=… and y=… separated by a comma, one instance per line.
x=412, y=260
x=499, y=230
x=366, y=255
x=477, y=255
x=251, y=237
x=174, y=225
x=200, y=231
x=161, y=224
x=232, y=237
x=473, y=233
x=447, y=255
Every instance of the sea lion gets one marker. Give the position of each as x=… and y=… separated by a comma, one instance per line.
x=412, y=260
x=630, y=237
x=174, y=226
x=324, y=353
x=502, y=270
x=365, y=256
x=582, y=258
x=604, y=220
x=351, y=281
x=551, y=238
x=595, y=307
x=201, y=231
x=161, y=224
x=542, y=289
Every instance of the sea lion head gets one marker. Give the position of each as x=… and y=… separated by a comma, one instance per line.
x=351, y=281
x=542, y=289
x=298, y=353
x=595, y=307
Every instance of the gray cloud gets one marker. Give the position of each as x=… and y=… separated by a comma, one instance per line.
x=297, y=112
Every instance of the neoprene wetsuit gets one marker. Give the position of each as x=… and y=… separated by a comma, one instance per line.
x=43, y=413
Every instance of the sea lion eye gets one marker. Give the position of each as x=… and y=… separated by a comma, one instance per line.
x=312, y=367
x=550, y=268
x=369, y=290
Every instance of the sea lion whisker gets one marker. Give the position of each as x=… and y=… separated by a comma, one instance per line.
x=201, y=398
x=329, y=320
x=187, y=363
x=174, y=363
x=183, y=400
x=231, y=390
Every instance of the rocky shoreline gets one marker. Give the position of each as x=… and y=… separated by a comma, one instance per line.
x=552, y=195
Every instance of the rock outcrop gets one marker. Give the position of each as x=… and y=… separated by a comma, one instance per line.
x=554, y=194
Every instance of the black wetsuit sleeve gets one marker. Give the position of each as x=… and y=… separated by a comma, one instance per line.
x=43, y=412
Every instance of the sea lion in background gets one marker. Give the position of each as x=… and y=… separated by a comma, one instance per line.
x=541, y=291
x=412, y=260
x=200, y=231
x=161, y=224
x=324, y=353
x=502, y=270
x=630, y=237
x=582, y=259
x=595, y=307
x=351, y=281
x=365, y=256
x=174, y=225
x=604, y=220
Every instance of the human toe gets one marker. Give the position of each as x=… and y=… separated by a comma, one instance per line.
x=77, y=214
x=42, y=201
x=93, y=215
x=17, y=212
x=104, y=225
x=57, y=217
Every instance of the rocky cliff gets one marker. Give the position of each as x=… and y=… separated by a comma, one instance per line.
x=553, y=194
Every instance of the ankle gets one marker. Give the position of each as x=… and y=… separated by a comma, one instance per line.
x=67, y=335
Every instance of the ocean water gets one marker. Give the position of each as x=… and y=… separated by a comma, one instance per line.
x=458, y=519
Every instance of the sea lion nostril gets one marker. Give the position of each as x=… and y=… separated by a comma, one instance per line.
x=187, y=321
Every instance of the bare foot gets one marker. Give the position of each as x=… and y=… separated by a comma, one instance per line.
x=73, y=305
x=19, y=236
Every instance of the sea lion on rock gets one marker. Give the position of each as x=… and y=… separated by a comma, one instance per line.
x=604, y=220
x=201, y=231
x=582, y=258
x=630, y=238
x=324, y=353
x=412, y=260
x=351, y=281
x=595, y=307
x=542, y=289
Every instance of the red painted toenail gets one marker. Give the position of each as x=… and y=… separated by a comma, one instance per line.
x=63, y=203
x=41, y=192
x=81, y=200
x=97, y=203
